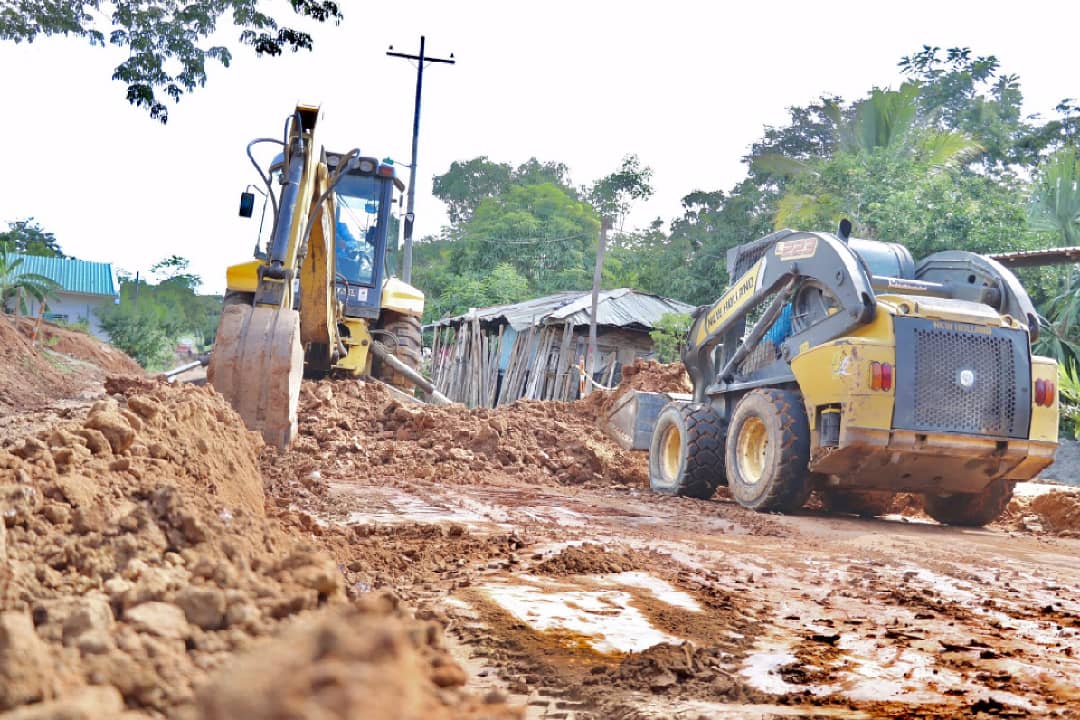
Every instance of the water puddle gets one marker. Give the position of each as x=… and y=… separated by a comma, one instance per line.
x=648, y=707
x=893, y=673
x=1034, y=489
x=390, y=506
x=606, y=618
x=660, y=589
x=762, y=670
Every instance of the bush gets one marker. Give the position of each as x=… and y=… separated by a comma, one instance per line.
x=669, y=336
x=140, y=335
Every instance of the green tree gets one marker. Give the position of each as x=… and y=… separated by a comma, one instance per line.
x=669, y=336
x=467, y=184
x=1055, y=206
x=612, y=195
x=175, y=269
x=899, y=179
x=167, y=42
x=540, y=230
x=137, y=332
x=501, y=286
x=150, y=317
x=29, y=238
x=965, y=92
x=16, y=285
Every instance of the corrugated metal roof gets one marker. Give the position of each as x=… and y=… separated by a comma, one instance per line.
x=621, y=308
x=74, y=276
x=617, y=308
x=1037, y=258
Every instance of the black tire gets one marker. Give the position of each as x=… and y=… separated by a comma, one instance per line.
x=864, y=503
x=404, y=342
x=686, y=456
x=970, y=509
x=768, y=451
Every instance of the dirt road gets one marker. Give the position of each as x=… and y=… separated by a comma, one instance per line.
x=760, y=613
x=155, y=562
x=603, y=600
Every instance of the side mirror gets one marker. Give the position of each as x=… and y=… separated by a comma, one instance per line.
x=247, y=204
x=371, y=208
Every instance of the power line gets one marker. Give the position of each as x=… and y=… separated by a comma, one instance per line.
x=410, y=216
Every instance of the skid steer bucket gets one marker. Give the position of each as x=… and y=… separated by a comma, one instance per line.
x=257, y=365
x=632, y=417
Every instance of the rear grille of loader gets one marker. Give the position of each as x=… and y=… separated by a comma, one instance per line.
x=951, y=380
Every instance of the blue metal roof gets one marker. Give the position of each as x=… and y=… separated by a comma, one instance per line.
x=73, y=276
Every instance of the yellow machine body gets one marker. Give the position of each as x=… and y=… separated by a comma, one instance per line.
x=314, y=300
x=872, y=453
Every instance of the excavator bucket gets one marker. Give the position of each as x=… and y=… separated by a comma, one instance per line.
x=257, y=365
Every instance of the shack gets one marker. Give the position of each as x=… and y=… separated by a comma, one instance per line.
x=536, y=349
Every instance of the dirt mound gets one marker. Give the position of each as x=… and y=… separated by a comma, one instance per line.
x=82, y=346
x=1056, y=512
x=652, y=376
x=359, y=427
x=643, y=375
x=369, y=661
x=137, y=556
x=28, y=378
x=60, y=365
x=665, y=668
x=592, y=559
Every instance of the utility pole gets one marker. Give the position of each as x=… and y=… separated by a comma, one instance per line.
x=590, y=364
x=406, y=264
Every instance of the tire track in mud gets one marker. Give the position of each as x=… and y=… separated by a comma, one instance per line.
x=840, y=629
x=805, y=615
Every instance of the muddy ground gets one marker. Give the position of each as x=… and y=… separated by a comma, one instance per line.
x=569, y=586
x=407, y=561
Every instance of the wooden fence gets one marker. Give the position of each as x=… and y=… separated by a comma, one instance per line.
x=544, y=363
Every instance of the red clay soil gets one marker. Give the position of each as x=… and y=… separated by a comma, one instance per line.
x=1054, y=513
x=136, y=559
x=56, y=366
x=28, y=377
x=646, y=376
x=82, y=346
x=351, y=426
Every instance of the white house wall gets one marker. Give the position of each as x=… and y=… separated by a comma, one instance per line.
x=73, y=308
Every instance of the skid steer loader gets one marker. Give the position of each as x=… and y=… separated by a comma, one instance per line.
x=319, y=297
x=837, y=364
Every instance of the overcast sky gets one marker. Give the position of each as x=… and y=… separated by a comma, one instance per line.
x=688, y=86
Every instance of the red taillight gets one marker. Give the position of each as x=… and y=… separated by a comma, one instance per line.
x=1045, y=393
x=386, y=170
x=881, y=376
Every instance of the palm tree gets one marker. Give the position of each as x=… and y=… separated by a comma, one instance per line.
x=1055, y=204
x=17, y=284
x=883, y=127
x=1055, y=207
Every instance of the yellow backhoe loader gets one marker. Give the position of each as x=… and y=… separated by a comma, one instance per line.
x=318, y=297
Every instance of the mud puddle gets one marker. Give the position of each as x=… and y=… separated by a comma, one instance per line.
x=391, y=506
x=599, y=611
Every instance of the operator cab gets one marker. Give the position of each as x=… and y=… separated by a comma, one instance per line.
x=363, y=222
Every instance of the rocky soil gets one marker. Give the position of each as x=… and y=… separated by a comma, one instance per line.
x=405, y=561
